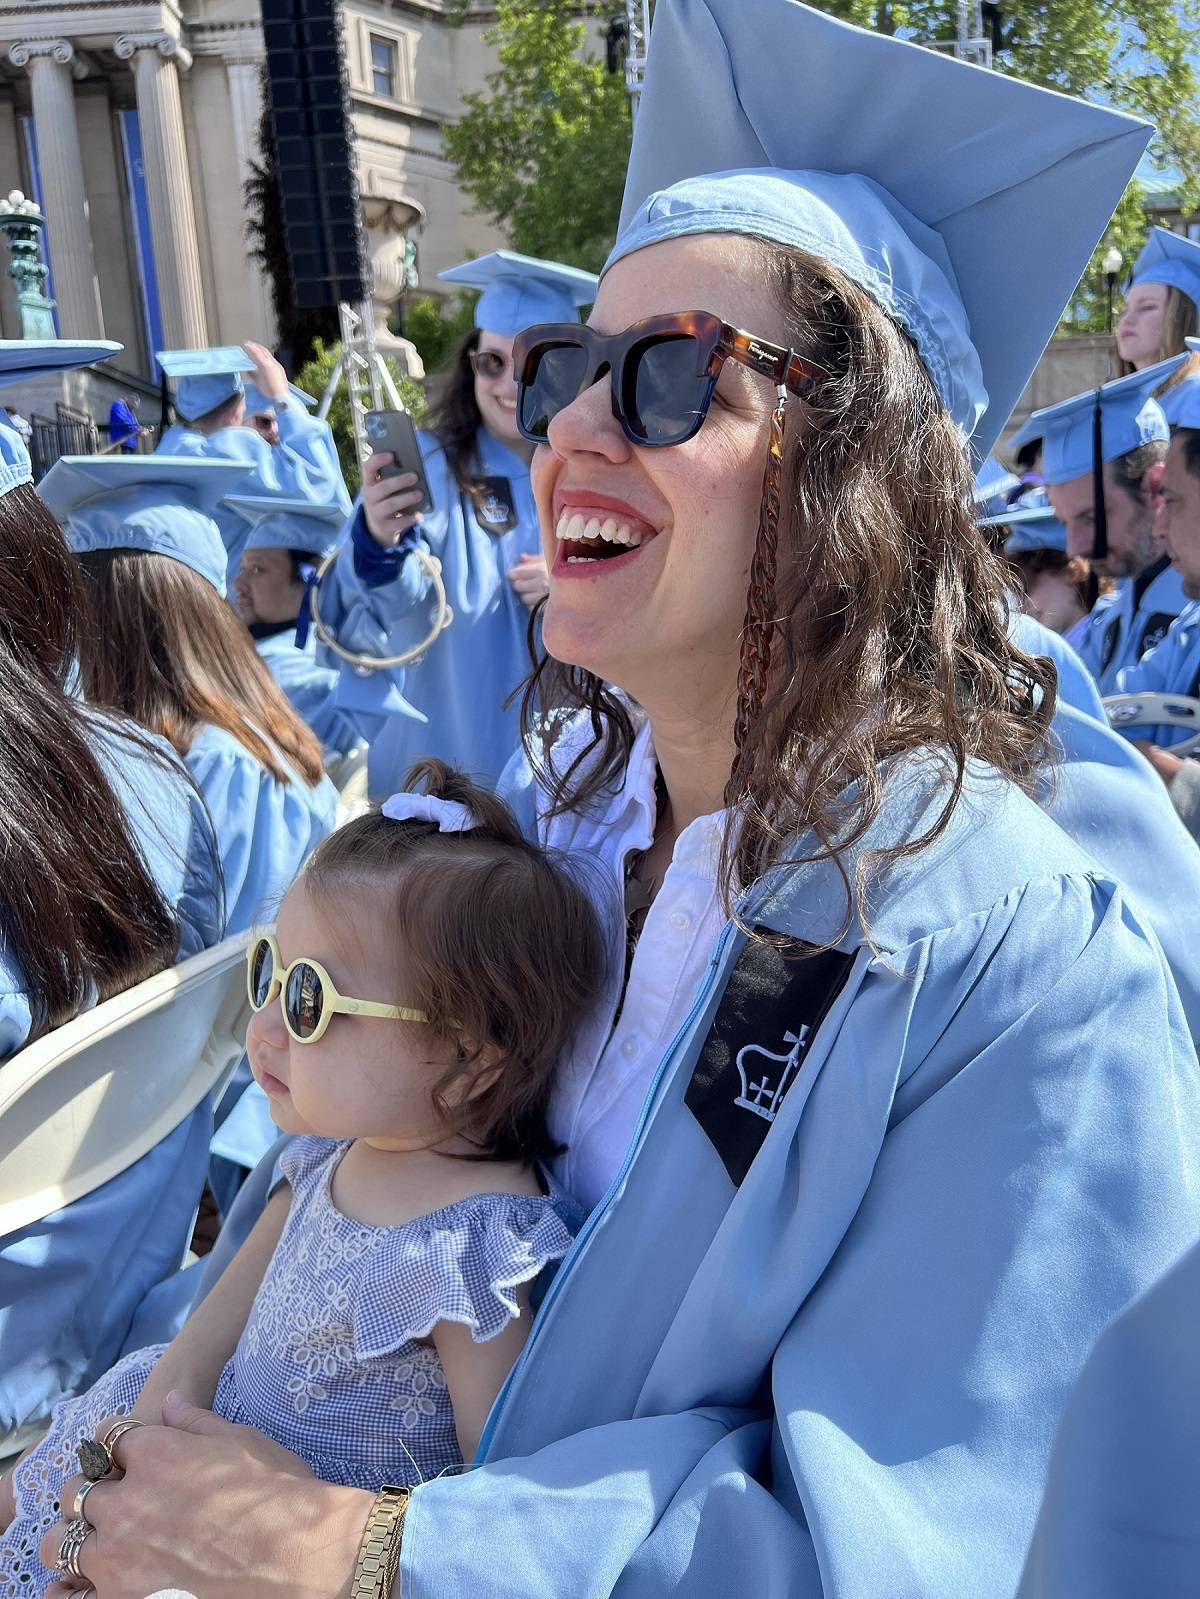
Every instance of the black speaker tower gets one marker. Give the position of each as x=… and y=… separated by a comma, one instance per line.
x=310, y=111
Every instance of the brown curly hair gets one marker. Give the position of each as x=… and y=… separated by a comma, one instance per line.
x=889, y=612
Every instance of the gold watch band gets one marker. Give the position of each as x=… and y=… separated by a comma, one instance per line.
x=379, y=1553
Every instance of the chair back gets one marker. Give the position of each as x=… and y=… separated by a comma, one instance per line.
x=85, y=1102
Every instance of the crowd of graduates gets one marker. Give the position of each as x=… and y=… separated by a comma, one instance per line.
x=816, y=1345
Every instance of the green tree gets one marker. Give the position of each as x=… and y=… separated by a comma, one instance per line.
x=315, y=376
x=1088, y=311
x=543, y=151
x=437, y=326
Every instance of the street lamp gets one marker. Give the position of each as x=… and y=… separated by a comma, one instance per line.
x=21, y=222
x=1111, y=264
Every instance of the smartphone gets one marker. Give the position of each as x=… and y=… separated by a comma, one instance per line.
x=396, y=431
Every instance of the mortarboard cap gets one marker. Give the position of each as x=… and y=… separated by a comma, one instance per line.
x=277, y=523
x=257, y=402
x=520, y=291
x=31, y=358
x=158, y=504
x=205, y=379
x=913, y=173
x=993, y=484
x=1171, y=259
x=1032, y=525
x=1129, y=418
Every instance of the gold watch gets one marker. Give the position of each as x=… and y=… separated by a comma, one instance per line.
x=379, y=1553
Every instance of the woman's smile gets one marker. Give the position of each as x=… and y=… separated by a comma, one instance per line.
x=594, y=529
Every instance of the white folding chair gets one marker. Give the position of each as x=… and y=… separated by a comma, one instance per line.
x=348, y=774
x=85, y=1102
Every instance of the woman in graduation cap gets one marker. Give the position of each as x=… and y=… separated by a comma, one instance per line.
x=286, y=542
x=457, y=703
x=896, y=1106
x=1161, y=311
x=109, y=873
x=165, y=648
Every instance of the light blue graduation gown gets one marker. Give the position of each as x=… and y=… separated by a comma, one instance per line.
x=461, y=685
x=1076, y=685
x=1119, y=1519
x=303, y=465
x=1173, y=400
x=312, y=690
x=1172, y=667
x=71, y=1283
x=1125, y=624
x=265, y=829
x=825, y=1355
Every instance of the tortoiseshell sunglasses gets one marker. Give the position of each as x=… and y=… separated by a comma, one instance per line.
x=663, y=371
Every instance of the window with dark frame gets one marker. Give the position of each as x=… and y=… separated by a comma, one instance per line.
x=383, y=67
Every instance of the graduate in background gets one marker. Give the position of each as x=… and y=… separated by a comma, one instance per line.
x=1114, y=529
x=110, y=873
x=287, y=541
x=483, y=529
x=210, y=401
x=165, y=648
x=1160, y=314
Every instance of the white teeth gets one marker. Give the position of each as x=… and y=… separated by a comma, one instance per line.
x=577, y=529
x=583, y=560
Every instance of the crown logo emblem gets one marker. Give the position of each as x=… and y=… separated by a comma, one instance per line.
x=765, y=1096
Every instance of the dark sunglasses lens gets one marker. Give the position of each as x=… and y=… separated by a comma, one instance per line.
x=305, y=1000
x=262, y=969
x=559, y=372
x=667, y=395
x=489, y=364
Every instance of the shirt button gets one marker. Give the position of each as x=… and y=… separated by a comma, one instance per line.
x=629, y=1048
x=681, y=921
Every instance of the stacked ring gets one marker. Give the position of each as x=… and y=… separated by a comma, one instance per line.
x=78, y=1532
x=96, y=1458
x=80, y=1498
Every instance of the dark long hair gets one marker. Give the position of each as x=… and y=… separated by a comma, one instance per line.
x=454, y=416
x=80, y=914
x=891, y=612
x=164, y=648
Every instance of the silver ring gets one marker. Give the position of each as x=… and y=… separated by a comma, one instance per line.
x=78, y=1532
x=77, y=1508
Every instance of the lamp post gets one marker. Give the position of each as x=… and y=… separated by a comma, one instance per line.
x=1110, y=266
x=21, y=223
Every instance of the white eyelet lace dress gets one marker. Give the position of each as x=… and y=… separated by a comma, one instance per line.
x=332, y=1362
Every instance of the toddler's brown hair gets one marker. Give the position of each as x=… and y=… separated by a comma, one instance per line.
x=501, y=944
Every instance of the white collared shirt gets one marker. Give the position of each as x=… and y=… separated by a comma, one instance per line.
x=601, y=1089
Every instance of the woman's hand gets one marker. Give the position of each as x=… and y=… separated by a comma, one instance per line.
x=217, y=1510
x=531, y=579
x=387, y=502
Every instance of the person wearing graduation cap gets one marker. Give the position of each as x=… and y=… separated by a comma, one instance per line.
x=165, y=648
x=1057, y=589
x=1173, y=666
x=1161, y=312
x=1102, y=459
x=210, y=399
x=483, y=529
x=287, y=541
x=110, y=873
x=895, y=1107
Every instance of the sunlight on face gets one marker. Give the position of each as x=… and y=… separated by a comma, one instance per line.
x=1139, y=331
x=496, y=397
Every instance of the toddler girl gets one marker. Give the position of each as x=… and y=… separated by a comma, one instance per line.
x=426, y=972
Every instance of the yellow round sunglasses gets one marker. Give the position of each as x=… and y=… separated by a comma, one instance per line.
x=310, y=999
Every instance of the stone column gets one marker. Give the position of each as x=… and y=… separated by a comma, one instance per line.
x=49, y=64
x=157, y=58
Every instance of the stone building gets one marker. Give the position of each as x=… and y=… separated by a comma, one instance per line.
x=134, y=122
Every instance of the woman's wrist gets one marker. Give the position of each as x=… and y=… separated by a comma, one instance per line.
x=332, y=1535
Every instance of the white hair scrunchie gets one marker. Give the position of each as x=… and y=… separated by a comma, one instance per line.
x=448, y=816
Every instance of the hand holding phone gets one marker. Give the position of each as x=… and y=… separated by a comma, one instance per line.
x=395, y=432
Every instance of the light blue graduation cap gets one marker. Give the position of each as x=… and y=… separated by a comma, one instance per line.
x=1032, y=525
x=159, y=504
x=257, y=402
x=993, y=484
x=1128, y=418
x=520, y=290
x=277, y=523
x=1171, y=259
x=205, y=379
x=1185, y=408
x=965, y=202
x=31, y=358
